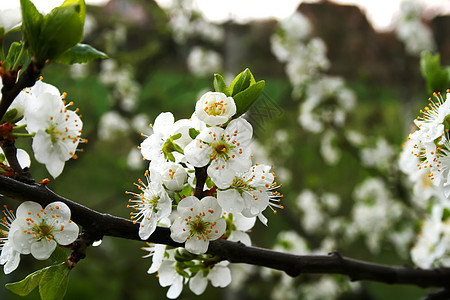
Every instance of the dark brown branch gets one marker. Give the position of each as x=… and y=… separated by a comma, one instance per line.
x=99, y=224
x=11, y=88
x=10, y=151
x=200, y=175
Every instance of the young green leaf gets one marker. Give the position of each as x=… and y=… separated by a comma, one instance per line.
x=436, y=76
x=25, y=286
x=14, y=54
x=80, y=53
x=54, y=282
x=245, y=99
x=220, y=85
x=241, y=82
x=31, y=24
x=193, y=133
x=61, y=29
x=10, y=116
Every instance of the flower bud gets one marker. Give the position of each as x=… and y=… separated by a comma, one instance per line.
x=215, y=108
x=173, y=176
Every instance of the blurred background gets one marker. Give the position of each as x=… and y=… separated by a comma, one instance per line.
x=364, y=60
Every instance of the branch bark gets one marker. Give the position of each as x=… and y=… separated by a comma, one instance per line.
x=11, y=88
x=98, y=224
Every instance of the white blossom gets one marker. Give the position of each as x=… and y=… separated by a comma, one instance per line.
x=40, y=230
x=219, y=275
x=112, y=125
x=215, y=108
x=57, y=130
x=168, y=276
x=152, y=204
x=203, y=62
x=10, y=256
x=248, y=193
x=173, y=176
x=433, y=241
x=411, y=31
x=167, y=140
x=199, y=222
x=226, y=151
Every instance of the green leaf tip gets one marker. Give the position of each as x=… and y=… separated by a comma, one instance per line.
x=80, y=53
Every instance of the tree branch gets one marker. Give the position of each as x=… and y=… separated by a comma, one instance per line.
x=97, y=225
x=200, y=175
x=11, y=88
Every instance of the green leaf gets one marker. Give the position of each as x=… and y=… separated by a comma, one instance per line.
x=445, y=214
x=80, y=53
x=54, y=282
x=241, y=82
x=9, y=116
x=437, y=77
x=13, y=55
x=60, y=255
x=193, y=133
x=245, y=99
x=220, y=85
x=209, y=183
x=60, y=30
x=31, y=24
x=25, y=286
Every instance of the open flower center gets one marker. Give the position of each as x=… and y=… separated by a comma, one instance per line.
x=42, y=230
x=152, y=201
x=241, y=185
x=198, y=226
x=54, y=133
x=215, y=108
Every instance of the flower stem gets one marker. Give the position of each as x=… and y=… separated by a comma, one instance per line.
x=19, y=127
x=22, y=134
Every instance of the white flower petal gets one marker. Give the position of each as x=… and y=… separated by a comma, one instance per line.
x=196, y=246
x=178, y=231
x=43, y=249
x=12, y=263
x=176, y=288
x=212, y=209
x=167, y=273
x=67, y=233
x=163, y=122
x=230, y=200
x=220, y=276
x=157, y=258
x=58, y=208
x=198, y=283
x=27, y=207
x=147, y=226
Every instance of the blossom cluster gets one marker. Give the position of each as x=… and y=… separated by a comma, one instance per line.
x=410, y=29
x=203, y=167
x=34, y=230
x=304, y=55
x=56, y=130
x=326, y=101
x=188, y=24
x=425, y=159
